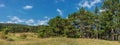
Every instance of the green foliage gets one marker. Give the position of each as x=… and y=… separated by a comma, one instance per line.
x=73, y=34
x=6, y=30
x=45, y=31
x=58, y=24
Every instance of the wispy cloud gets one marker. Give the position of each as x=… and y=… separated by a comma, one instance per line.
x=28, y=7
x=32, y=22
x=21, y=11
x=46, y=17
x=9, y=22
x=14, y=19
x=59, y=11
x=88, y=4
x=43, y=22
x=102, y=10
x=1, y=22
x=77, y=8
x=2, y=5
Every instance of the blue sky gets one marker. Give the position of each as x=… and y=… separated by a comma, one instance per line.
x=38, y=12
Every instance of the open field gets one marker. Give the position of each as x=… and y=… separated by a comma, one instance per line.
x=59, y=41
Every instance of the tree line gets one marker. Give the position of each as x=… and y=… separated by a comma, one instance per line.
x=80, y=24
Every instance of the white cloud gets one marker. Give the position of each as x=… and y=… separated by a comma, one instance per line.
x=42, y=22
x=46, y=17
x=59, y=11
x=77, y=8
x=102, y=10
x=2, y=5
x=28, y=7
x=16, y=19
x=88, y=4
x=32, y=22
x=10, y=22
x=1, y=22
x=95, y=2
x=29, y=22
x=67, y=17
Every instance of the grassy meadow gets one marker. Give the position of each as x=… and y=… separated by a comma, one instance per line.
x=59, y=41
x=31, y=39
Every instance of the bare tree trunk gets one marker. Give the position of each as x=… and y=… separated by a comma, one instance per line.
x=112, y=34
x=119, y=37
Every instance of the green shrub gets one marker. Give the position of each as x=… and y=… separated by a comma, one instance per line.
x=10, y=39
x=23, y=36
x=42, y=35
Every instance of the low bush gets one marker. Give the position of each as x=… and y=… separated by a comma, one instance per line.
x=23, y=36
x=10, y=39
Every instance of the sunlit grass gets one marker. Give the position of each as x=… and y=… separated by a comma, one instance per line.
x=59, y=41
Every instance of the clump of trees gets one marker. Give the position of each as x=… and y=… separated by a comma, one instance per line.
x=80, y=24
x=86, y=24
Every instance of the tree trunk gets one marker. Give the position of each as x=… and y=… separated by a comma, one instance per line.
x=112, y=35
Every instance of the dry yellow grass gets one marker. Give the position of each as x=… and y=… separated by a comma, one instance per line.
x=59, y=41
